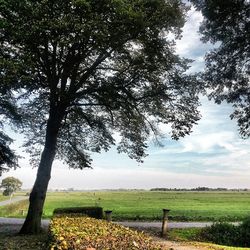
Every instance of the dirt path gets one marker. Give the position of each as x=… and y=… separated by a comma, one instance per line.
x=133, y=224
x=153, y=229
x=14, y=199
x=11, y=226
x=173, y=245
x=157, y=225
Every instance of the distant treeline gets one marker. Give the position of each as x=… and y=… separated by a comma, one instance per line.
x=198, y=189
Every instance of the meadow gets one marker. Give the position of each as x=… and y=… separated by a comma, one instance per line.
x=148, y=205
x=3, y=198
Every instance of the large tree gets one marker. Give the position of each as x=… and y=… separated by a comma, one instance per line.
x=227, y=72
x=89, y=68
x=10, y=185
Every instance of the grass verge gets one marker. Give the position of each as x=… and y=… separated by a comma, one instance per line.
x=17, y=209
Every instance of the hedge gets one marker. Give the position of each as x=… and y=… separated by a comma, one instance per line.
x=94, y=212
x=76, y=232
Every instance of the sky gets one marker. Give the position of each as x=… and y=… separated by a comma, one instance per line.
x=214, y=155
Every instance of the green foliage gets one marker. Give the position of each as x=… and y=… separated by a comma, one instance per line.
x=77, y=232
x=96, y=67
x=8, y=159
x=192, y=235
x=226, y=24
x=7, y=192
x=245, y=232
x=10, y=185
x=8, y=113
x=221, y=233
x=91, y=68
x=93, y=212
x=228, y=234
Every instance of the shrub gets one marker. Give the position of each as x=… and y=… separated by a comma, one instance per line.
x=244, y=229
x=94, y=212
x=228, y=234
x=221, y=233
x=76, y=232
x=6, y=192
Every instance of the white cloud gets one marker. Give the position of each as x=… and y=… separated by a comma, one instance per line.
x=191, y=39
x=207, y=142
x=190, y=46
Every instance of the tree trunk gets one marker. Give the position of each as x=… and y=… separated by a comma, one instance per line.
x=32, y=224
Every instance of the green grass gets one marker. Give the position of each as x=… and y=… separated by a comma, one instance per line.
x=17, y=209
x=146, y=205
x=18, y=193
x=185, y=234
x=3, y=198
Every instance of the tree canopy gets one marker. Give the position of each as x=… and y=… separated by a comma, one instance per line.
x=106, y=64
x=10, y=185
x=227, y=25
x=85, y=69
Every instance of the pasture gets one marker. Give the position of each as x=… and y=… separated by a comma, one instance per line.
x=148, y=205
x=3, y=198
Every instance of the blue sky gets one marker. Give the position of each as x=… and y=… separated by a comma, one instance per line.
x=213, y=155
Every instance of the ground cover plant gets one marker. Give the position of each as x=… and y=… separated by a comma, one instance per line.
x=80, y=232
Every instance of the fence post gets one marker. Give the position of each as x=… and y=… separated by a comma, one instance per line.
x=22, y=212
x=164, y=222
x=108, y=215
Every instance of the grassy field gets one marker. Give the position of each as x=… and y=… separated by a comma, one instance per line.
x=18, y=193
x=141, y=205
x=3, y=198
x=146, y=205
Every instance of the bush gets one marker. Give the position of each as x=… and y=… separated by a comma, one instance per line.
x=245, y=232
x=94, y=212
x=76, y=232
x=228, y=234
x=6, y=192
x=221, y=233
